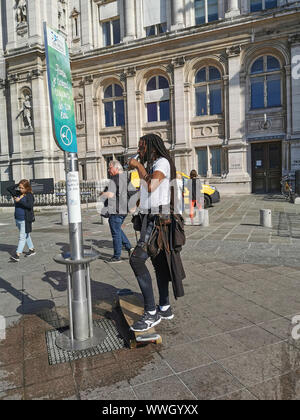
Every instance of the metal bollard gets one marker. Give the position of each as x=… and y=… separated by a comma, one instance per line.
x=266, y=218
x=64, y=218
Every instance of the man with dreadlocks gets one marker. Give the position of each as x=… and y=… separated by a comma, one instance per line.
x=156, y=215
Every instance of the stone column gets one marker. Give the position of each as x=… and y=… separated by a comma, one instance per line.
x=86, y=28
x=40, y=112
x=179, y=109
x=4, y=140
x=234, y=92
x=237, y=149
x=286, y=145
x=129, y=14
x=4, y=149
x=133, y=132
x=177, y=15
x=89, y=117
x=232, y=9
x=11, y=24
x=294, y=139
x=209, y=170
x=50, y=12
x=34, y=21
x=295, y=57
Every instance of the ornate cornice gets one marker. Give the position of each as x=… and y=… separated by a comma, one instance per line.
x=178, y=61
x=88, y=80
x=3, y=83
x=233, y=51
x=294, y=39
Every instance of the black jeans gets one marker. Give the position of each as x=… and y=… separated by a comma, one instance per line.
x=138, y=264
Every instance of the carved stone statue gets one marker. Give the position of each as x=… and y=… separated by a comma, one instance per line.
x=26, y=112
x=21, y=14
x=62, y=14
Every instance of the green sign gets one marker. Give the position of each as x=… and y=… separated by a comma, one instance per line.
x=60, y=90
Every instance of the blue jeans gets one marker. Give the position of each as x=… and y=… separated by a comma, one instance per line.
x=118, y=236
x=24, y=237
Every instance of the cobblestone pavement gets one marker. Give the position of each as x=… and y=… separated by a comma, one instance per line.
x=231, y=334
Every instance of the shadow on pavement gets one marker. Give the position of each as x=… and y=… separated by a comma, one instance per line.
x=101, y=243
x=10, y=249
x=28, y=305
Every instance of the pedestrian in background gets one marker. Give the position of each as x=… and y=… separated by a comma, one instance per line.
x=24, y=216
x=116, y=194
x=179, y=198
x=193, y=193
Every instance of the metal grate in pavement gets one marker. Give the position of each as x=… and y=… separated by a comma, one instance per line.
x=112, y=342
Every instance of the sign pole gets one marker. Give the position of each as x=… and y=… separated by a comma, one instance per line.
x=79, y=297
x=82, y=335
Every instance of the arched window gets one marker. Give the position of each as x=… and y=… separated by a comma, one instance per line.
x=157, y=99
x=114, y=106
x=265, y=80
x=208, y=91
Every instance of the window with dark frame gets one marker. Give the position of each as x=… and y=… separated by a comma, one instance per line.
x=160, y=110
x=158, y=29
x=258, y=5
x=202, y=162
x=208, y=91
x=111, y=32
x=114, y=106
x=265, y=83
x=206, y=11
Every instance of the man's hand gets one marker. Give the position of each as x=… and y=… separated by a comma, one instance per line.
x=108, y=194
x=133, y=164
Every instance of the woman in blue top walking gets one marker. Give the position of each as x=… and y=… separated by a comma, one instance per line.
x=24, y=215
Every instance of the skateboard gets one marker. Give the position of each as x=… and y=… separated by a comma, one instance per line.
x=132, y=307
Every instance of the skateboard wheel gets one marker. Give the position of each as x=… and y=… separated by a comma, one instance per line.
x=133, y=344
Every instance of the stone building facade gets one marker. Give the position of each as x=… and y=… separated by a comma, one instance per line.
x=218, y=80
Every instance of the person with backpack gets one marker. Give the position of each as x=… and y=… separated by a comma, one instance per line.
x=116, y=195
x=24, y=216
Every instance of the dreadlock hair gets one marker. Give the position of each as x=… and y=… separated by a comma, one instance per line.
x=155, y=142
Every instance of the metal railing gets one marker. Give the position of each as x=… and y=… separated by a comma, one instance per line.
x=90, y=191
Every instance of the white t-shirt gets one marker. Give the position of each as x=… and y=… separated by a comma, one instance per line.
x=161, y=196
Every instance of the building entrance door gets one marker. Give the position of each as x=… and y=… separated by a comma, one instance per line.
x=266, y=167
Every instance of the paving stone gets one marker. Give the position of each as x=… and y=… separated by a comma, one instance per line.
x=263, y=364
x=282, y=388
x=222, y=346
x=58, y=389
x=254, y=337
x=11, y=376
x=164, y=389
x=193, y=356
x=209, y=382
x=155, y=367
x=242, y=395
